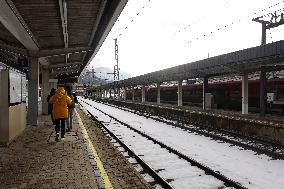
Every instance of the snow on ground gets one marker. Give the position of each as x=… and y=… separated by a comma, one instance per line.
x=244, y=166
x=180, y=172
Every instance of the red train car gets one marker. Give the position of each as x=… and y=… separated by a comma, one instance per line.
x=227, y=95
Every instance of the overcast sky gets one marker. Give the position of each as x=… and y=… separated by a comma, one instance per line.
x=167, y=33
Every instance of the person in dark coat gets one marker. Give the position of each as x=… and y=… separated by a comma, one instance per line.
x=71, y=108
x=52, y=92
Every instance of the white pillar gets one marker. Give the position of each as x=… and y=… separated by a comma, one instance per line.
x=33, y=91
x=110, y=93
x=180, y=93
x=4, y=107
x=143, y=94
x=44, y=90
x=245, y=94
x=158, y=93
x=118, y=94
x=133, y=93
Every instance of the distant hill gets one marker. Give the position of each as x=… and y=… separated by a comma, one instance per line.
x=100, y=76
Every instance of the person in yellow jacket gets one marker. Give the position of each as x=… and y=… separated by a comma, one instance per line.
x=60, y=101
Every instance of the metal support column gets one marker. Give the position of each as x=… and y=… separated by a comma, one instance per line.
x=205, y=88
x=143, y=94
x=262, y=95
x=245, y=94
x=110, y=93
x=263, y=36
x=158, y=93
x=33, y=84
x=124, y=93
x=44, y=90
x=180, y=93
x=118, y=94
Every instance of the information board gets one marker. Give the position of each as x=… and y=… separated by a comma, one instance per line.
x=17, y=87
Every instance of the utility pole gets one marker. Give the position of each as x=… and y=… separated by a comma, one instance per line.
x=275, y=21
x=93, y=74
x=116, y=68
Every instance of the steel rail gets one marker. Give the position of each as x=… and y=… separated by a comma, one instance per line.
x=228, y=182
x=145, y=166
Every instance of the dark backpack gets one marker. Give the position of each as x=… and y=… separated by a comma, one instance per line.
x=72, y=105
x=75, y=97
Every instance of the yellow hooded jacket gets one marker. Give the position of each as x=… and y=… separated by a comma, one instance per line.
x=60, y=103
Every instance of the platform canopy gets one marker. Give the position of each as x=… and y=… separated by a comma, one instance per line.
x=268, y=57
x=63, y=34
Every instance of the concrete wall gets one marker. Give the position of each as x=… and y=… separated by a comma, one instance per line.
x=17, y=120
x=264, y=130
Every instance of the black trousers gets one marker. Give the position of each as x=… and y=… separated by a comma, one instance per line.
x=60, y=123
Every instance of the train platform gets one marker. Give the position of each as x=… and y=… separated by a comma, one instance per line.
x=268, y=128
x=274, y=119
x=85, y=159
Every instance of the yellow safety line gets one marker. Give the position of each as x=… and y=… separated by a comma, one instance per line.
x=103, y=173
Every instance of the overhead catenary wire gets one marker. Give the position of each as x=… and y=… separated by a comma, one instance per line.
x=246, y=17
x=228, y=25
x=131, y=20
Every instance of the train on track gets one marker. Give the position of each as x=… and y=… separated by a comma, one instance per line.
x=226, y=95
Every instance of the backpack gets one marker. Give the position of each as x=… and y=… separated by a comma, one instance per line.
x=72, y=105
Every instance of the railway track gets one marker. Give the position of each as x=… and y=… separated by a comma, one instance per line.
x=165, y=159
x=273, y=150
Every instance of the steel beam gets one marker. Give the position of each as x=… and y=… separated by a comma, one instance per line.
x=13, y=49
x=64, y=71
x=63, y=14
x=64, y=64
x=62, y=52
